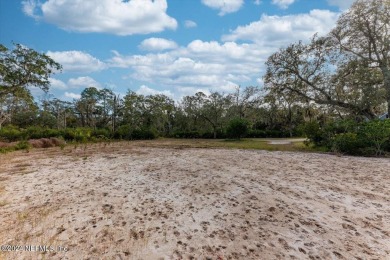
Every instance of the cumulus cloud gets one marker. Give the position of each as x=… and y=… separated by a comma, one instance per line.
x=145, y=90
x=104, y=16
x=72, y=95
x=57, y=84
x=221, y=66
x=282, y=30
x=157, y=44
x=74, y=83
x=77, y=61
x=283, y=4
x=199, y=65
x=29, y=7
x=224, y=6
x=190, y=24
x=83, y=82
x=342, y=4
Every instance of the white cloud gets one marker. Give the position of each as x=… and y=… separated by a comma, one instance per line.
x=281, y=30
x=145, y=90
x=72, y=95
x=257, y=2
x=342, y=4
x=283, y=4
x=74, y=83
x=77, y=61
x=83, y=82
x=57, y=84
x=200, y=65
x=188, y=91
x=224, y=6
x=190, y=24
x=221, y=66
x=104, y=16
x=157, y=44
x=29, y=7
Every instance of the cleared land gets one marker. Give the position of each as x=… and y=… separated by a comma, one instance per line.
x=169, y=200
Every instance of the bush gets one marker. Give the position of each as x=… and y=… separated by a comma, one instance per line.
x=123, y=132
x=22, y=145
x=314, y=133
x=237, y=128
x=11, y=134
x=128, y=133
x=35, y=132
x=82, y=134
x=276, y=133
x=348, y=143
x=186, y=134
x=102, y=134
x=257, y=133
x=144, y=134
x=377, y=134
x=370, y=138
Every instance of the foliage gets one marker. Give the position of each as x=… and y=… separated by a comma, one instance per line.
x=11, y=134
x=349, y=143
x=377, y=134
x=370, y=138
x=306, y=72
x=362, y=32
x=237, y=128
x=21, y=68
x=186, y=134
x=22, y=145
x=127, y=132
x=347, y=70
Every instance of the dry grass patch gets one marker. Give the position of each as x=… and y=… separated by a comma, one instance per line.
x=246, y=143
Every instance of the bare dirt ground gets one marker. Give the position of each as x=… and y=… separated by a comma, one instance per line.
x=126, y=201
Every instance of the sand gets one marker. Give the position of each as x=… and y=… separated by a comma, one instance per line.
x=125, y=201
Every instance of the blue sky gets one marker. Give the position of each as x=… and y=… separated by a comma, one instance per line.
x=173, y=47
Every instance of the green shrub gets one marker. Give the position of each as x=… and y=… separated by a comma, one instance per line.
x=314, y=133
x=370, y=138
x=123, y=132
x=348, y=143
x=128, y=133
x=237, y=128
x=257, y=133
x=35, y=132
x=143, y=134
x=186, y=134
x=377, y=135
x=101, y=134
x=68, y=134
x=22, y=145
x=11, y=134
x=82, y=134
x=276, y=133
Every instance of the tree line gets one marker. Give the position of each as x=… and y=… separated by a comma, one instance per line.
x=342, y=76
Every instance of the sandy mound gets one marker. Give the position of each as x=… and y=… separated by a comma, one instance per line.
x=152, y=203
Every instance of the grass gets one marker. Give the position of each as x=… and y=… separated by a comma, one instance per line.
x=83, y=150
x=246, y=143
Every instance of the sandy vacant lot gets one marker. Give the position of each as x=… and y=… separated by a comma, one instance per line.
x=126, y=201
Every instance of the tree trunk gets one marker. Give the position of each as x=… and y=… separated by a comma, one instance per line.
x=386, y=83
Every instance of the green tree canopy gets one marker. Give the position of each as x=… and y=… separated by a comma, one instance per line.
x=346, y=70
x=23, y=67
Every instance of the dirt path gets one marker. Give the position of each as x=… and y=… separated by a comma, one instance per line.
x=284, y=140
x=152, y=203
